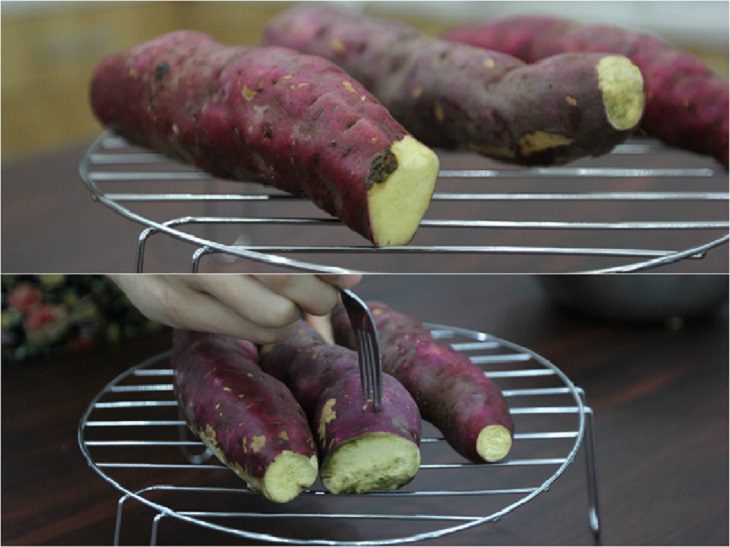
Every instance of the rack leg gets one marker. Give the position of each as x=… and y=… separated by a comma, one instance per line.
x=155, y=528
x=118, y=522
x=141, y=241
x=590, y=452
x=197, y=255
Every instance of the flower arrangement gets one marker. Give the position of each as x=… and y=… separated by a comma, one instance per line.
x=46, y=314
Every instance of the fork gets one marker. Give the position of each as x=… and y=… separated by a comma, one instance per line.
x=367, y=345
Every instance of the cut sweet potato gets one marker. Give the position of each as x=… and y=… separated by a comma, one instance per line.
x=686, y=102
x=248, y=419
x=456, y=96
x=361, y=450
x=272, y=115
x=451, y=392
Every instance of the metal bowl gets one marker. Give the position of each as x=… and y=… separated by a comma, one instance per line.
x=638, y=297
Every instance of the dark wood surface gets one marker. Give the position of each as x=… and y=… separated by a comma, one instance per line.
x=50, y=223
x=659, y=392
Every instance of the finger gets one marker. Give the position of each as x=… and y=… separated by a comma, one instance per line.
x=196, y=310
x=250, y=299
x=323, y=325
x=310, y=293
x=344, y=281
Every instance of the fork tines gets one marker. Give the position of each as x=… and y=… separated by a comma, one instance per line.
x=370, y=375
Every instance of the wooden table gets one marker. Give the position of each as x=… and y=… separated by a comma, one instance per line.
x=50, y=223
x=659, y=392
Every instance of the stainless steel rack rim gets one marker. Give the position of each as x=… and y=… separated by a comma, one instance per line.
x=466, y=522
x=650, y=258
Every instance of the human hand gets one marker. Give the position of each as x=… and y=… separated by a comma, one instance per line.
x=260, y=308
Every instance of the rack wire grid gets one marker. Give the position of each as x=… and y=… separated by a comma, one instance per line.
x=133, y=436
x=499, y=218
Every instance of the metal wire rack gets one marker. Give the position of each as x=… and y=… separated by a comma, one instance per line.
x=132, y=436
x=502, y=218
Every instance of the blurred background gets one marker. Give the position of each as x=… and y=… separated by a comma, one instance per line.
x=49, y=49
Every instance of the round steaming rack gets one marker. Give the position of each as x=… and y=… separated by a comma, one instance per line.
x=503, y=218
x=133, y=437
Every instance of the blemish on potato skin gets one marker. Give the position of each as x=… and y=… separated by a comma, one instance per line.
x=381, y=167
x=257, y=443
x=226, y=389
x=328, y=414
x=161, y=71
x=349, y=87
x=438, y=111
x=572, y=101
x=489, y=62
x=417, y=92
x=541, y=140
x=248, y=93
x=337, y=45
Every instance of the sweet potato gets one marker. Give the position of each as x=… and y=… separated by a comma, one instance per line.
x=293, y=121
x=686, y=102
x=451, y=392
x=456, y=96
x=247, y=418
x=360, y=450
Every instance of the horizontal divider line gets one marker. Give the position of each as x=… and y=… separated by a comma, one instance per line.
x=439, y=196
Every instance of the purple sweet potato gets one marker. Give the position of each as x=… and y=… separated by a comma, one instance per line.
x=456, y=96
x=451, y=392
x=272, y=115
x=360, y=450
x=248, y=419
x=686, y=102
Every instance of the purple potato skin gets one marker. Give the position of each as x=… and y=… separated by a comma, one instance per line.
x=687, y=103
x=452, y=95
x=268, y=114
x=252, y=416
x=451, y=392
